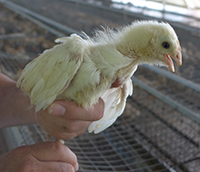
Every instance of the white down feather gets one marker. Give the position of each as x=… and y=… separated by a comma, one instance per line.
x=115, y=101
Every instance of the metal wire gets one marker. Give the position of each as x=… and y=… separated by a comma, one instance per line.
x=186, y=96
x=140, y=140
x=151, y=136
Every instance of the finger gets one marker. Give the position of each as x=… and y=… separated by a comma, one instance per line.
x=61, y=128
x=53, y=151
x=76, y=112
x=61, y=124
x=58, y=167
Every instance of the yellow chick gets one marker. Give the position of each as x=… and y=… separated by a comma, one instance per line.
x=83, y=70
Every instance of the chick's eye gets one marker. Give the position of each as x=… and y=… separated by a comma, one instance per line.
x=165, y=45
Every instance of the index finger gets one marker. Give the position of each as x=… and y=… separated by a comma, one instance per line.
x=75, y=112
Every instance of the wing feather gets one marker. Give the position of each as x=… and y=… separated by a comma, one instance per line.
x=50, y=74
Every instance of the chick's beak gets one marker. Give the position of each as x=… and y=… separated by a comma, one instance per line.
x=169, y=62
x=177, y=57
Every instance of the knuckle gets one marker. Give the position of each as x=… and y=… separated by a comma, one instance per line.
x=57, y=146
x=28, y=166
x=64, y=152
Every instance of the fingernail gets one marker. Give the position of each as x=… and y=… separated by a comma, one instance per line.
x=56, y=109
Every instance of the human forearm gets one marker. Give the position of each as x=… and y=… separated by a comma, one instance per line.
x=14, y=105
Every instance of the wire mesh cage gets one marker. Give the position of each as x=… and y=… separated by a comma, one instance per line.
x=142, y=140
x=159, y=130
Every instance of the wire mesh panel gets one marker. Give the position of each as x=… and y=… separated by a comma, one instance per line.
x=150, y=136
x=108, y=152
x=89, y=17
x=142, y=140
x=174, y=131
x=187, y=96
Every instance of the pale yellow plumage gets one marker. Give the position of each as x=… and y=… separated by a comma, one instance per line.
x=82, y=70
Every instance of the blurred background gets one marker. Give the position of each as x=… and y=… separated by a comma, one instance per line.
x=159, y=130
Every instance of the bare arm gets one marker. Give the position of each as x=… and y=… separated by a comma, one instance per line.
x=15, y=108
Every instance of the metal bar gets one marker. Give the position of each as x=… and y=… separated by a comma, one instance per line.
x=125, y=155
x=174, y=77
x=169, y=75
x=24, y=130
x=50, y=29
x=46, y=20
x=12, y=36
x=167, y=100
x=12, y=138
x=113, y=9
x=142, y=16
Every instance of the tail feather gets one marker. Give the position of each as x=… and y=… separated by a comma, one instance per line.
x=115, y=101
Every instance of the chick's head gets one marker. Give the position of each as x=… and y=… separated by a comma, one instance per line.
x=166, y=46
x=151, y=42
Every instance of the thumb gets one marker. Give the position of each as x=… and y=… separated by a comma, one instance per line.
x=56, y=109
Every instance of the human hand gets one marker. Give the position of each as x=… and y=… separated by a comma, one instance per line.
x=66, y=120
x=40, y=157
